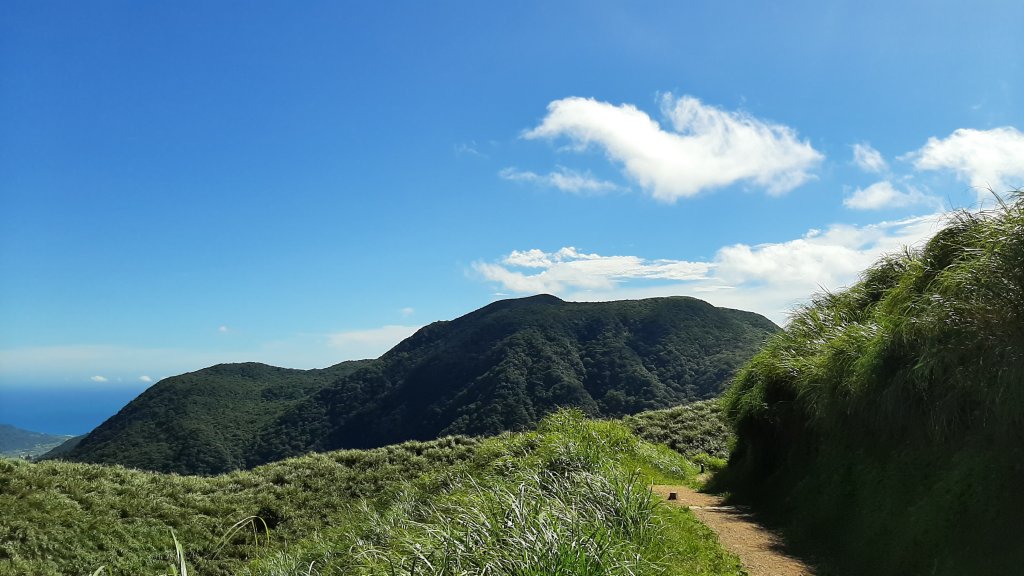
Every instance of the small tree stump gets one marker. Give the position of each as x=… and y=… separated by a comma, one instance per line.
x=672, y=496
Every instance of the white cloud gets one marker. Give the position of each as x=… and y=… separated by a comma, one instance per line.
x=705, y=148
x=869, y=159
x=146, y=379
x=564, y=179
x=223, y=329
x=98, y=379
x=884, y=194
x=569, y=269
x=767, y=278
x=407, y=311
x=371, y=343
x=984, y=158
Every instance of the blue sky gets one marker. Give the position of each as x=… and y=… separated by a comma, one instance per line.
x=186, y=183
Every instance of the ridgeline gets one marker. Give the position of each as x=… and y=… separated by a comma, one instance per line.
x=503, y=367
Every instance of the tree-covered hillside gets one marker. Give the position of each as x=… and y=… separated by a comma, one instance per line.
x=503, y=367
x=508, y=364
x=885, y=426
x=201, y=422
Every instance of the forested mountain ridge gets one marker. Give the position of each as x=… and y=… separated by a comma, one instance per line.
x=201, y=422
x=505, y=366
x=502, y=367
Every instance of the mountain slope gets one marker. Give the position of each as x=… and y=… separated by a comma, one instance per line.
x=502, y=367
x=61, y=449
x=16, y=442
x=505, y=366
x=201, y=422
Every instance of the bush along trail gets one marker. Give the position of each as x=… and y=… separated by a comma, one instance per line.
x=884, y=428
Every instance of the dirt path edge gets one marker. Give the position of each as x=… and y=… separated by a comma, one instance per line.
x=759, y=549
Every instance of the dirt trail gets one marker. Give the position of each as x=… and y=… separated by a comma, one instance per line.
x=759, y=549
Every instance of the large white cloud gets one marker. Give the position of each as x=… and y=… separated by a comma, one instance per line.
x=705, y=147
x=984, y=158
x=769, y=278
x=569, y=269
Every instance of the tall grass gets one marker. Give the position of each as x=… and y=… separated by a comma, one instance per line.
x=698, y=430
x=572, y=497
x=884, y=426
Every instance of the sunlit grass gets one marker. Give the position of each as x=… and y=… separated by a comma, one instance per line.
x=884, y=424
x=572, y=497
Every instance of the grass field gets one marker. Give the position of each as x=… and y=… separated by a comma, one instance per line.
x=572, y=497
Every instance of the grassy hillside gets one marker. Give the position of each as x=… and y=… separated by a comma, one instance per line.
x=571, y=498
x=696, y=430
x=885, y=426
x=17, y=443
x=503, y=367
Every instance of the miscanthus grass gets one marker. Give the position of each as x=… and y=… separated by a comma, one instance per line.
x=571, y=498
x=884, y=426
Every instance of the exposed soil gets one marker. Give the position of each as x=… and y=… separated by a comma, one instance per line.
x=759, y=549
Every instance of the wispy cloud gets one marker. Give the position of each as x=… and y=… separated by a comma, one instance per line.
x=369, y=343
x=869, y=159
x=569, y=269
x=564, y=179
x=984, y=158
x=223, y=329
x=469, y=148
x=407, y=311
x=48, y=365
x=704, y=147
x=768, y=278
x=884, y=194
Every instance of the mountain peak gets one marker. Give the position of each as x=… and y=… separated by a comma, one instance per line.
x=502, y=367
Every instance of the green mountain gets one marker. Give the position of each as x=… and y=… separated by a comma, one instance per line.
x=503, y=367
x=884, y=428
x=17, y=443
x=201, y=422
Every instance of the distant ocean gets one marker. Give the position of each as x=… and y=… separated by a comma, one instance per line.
x=62, y=410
